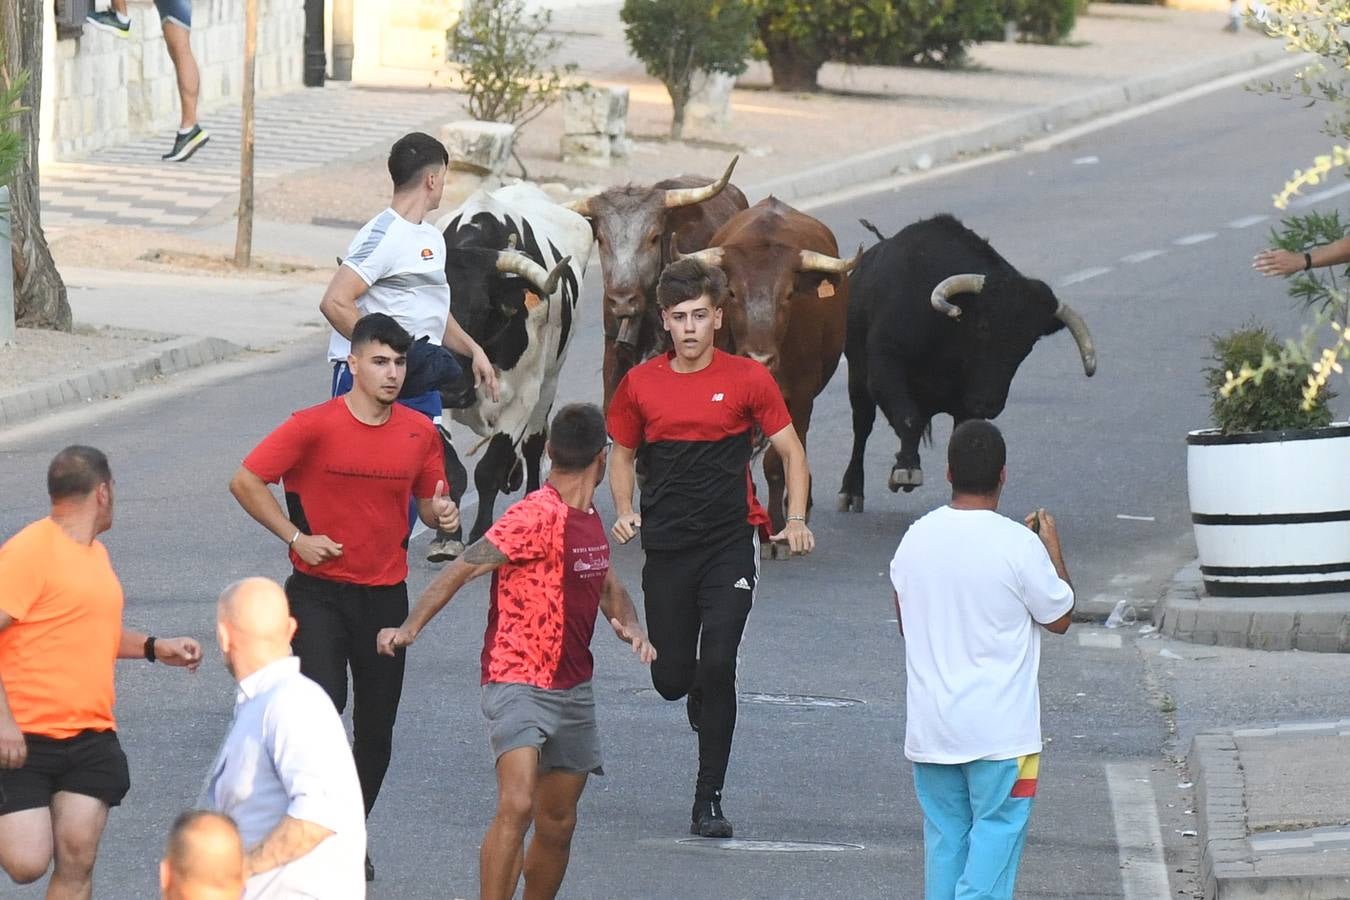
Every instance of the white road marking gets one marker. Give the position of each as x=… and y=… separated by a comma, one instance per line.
x=1247, y=221
x=1197, y=238
x=1311, y=199
x=1084, y=275
x=1097, y=639
x=1086, y=161
x=1141, y=256
x=1143, y=874
x=1130, y=518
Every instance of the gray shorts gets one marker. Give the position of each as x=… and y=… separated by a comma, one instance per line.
x=560, y=724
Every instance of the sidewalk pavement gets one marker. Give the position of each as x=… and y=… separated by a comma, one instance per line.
x=321, y=170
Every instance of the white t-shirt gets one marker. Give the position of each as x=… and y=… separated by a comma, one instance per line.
x=404, y=266
x=973, y=585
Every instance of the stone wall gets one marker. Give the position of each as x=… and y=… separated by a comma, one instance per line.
x=106, y=90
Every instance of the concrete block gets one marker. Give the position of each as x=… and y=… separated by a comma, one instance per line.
x=480, y=147
x=1273, y=631
x=1208, y=638
x=54, y=398
x=1185, y=621
x=1231, y=639
x=595, y=110
x=710, y=99
x=586, y=149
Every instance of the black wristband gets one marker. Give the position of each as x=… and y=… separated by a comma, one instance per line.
x=1307, y=261
x=150, y=648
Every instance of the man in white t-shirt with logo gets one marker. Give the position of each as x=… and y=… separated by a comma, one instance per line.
x=973, y=589
x=396, y=265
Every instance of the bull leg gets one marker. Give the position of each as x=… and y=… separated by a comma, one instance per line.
x=533, y=451
x=489, y=477
x=864, y=417
x=449, y=545
x=888, y=384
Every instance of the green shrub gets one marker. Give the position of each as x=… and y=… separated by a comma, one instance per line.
x=1273, y=399
x=1045, y=21
x=503, y=51
x=676, y=38
x=938, y=32
x=1319, y=290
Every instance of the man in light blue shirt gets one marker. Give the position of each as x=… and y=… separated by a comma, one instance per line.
x=285, y=774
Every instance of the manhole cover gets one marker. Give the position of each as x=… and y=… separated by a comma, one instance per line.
x=771, y=846
x=799, y=700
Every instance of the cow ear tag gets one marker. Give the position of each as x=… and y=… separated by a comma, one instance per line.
x=825, y=290
x=531, y=300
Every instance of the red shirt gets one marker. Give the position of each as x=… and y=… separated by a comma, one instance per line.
x=353, y=482
x=544, y=601
x=698, y=431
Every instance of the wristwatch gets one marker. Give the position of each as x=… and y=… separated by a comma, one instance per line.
x=150, y=648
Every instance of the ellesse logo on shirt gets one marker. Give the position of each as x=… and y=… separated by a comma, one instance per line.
x=426, y=253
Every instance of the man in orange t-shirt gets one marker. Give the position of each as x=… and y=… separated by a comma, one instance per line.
x=61, y=766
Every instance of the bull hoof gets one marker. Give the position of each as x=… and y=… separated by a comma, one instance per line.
x=848, y=503
x=908, y=479
x=445, y=550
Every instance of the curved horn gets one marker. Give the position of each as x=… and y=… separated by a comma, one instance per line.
x=509, y=262
x=688, y=196
x=1081, y=336
x=580, y=207
x=711, y=257
x=968, y=283
x=819, y=262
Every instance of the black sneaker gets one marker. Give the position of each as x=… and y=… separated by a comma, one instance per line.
x=708, y=821
x=370, y=869
x=184, y=145
x=693, y=707
x=108, y=21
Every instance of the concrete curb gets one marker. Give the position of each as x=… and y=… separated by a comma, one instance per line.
x=923, y=153
x=1317, y=623
x=1221, y=810
x=118, y=377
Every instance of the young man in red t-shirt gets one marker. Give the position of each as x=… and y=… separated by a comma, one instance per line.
x=549, y=560
x=350, y=468
x=693, y=412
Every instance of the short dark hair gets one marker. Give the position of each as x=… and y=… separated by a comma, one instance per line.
x=976, y=455
x=688, y=279
x=76, y=471
x=383, y=329
x=576, y=435
x=412, y=154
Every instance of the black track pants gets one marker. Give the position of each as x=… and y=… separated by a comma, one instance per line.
x=697, y=600
x=337, y=625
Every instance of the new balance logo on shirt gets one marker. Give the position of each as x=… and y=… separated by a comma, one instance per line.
x=718, y=397
x=743, y=585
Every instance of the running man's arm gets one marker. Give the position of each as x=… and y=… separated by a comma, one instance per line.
x=1048, y=532
x=290, y=840
x=339, y=300
x=13, y=748
x=457, y=339
x=617, y=605
x=799, y=538
x=181, y=652
x=1287, y=262
x=259, y=502
x=482, y=558
x=622, y=481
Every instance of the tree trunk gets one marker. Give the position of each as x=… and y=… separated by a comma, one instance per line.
x=795, y=67
x=39, y=293
x=243, y=241
x=679, y=100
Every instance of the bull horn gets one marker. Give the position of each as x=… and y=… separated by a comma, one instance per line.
x=819, y=262
x=1081, y=336
x=689, y=196
x=546, y=282
x=711, y=257
x=968, y=283
x=580, y=207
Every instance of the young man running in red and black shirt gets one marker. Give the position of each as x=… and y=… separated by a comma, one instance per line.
x=350, y=467
x=549, y=560
x=693, y=413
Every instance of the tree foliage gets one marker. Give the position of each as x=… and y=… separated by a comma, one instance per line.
x=1321, y=290
x=506, y=59
x=1044, y=21
x=11, y=108
x=677, y=38
x=1272, y=398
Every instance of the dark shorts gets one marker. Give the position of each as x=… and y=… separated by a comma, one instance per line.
x=90, y=763
x=178, y=12
x=559, y=724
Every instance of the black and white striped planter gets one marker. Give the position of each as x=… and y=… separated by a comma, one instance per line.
x=1271, y=510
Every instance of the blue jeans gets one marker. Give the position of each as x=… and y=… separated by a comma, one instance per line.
x=975, y=818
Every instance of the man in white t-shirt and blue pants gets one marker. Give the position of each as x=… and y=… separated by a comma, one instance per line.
x=396, y=265
x=973, y=589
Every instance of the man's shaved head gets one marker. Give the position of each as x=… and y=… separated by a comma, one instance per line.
x=254, y=625
x=204, y=859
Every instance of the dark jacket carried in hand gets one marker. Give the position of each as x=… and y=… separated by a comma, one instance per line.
x=433, y=367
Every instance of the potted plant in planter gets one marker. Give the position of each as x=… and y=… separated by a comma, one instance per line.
x=1269, y=503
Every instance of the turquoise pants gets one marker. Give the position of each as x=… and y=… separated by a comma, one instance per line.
x=975, y=818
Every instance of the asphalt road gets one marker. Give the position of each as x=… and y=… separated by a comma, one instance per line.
x=1187, y=181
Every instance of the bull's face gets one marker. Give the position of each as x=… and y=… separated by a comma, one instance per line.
x=484, y=299
x=765, y=284
x=996, y=331
x=629, y=238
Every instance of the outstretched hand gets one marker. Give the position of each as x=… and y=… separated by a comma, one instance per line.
x=183, y=652
x=635, y=637
x=797, y=536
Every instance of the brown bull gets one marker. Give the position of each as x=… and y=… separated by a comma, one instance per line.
x=788, y=310
x=634, y=226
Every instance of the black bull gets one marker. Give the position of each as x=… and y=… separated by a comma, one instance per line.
x=938, y=322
